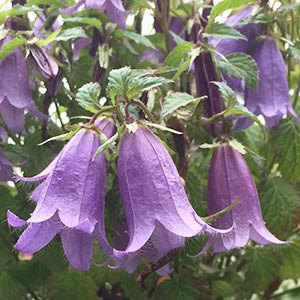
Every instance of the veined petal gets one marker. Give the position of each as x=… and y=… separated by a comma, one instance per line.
x=78, y=247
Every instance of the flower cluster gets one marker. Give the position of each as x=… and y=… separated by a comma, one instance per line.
x=271, y=99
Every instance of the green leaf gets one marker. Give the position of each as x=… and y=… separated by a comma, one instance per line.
x=88, y=96
x=286, y=141
x=241, y=66
x=227, y=93
x=18, y=10
x=61, y=137
x=177, y=288
x=179, y=53
x=220, y=30
x=88, y=21
x=108, y=143
x=130, y=83
x=239, y=109
x=223, y=288
x=72, y=285
x=261, y=268
x=279, y=202
x=139, y=39
x=71, y=33
x=224, y=5
x=290, y=261
x=50, y=38
x=11, y=46
x=295, y=51
x=174, y=101
x=10, y=289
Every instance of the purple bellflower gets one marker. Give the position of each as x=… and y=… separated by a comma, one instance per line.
x=114, y=9
x=230, y=180
x=15, y=90
x=272, y=98
x=152, y=192
x=69, y=200
x=160, y=243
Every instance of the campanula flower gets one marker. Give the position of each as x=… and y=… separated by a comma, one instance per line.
x=271, y=99
x=152, y=192
x=69, y=200
x=230, y=180
x=6, y=172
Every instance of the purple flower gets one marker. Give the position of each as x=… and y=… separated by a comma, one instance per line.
x=70, y=199
x=230, y=180
x=160, y=243
x=114, y=9
x=14, y=88
x=5, y=168
x=152, y=191
x=272, y=98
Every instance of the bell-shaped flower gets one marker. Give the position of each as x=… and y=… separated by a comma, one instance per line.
x=114, y=9
x=230, y=180
x=69, y=200
x=271, y=99
x=152, y=192
x=160, y=243
x=14, y=89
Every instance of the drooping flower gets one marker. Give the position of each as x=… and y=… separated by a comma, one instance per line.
x=230, y=180
x=152, y=192
x=14, y=89
x=114, y=9
x=272, y=98
x=69, y=200
x=160, y=243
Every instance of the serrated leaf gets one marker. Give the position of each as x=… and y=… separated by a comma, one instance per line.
x=239, y=109
x=139, y=39
x=241, y=66
x=130, y=83
x=174, y=101
x=88, y=96
x=279, y=202
x=177, y=288
x=88, y=21
x=286, y=140
x=226, y=91
x=224, y=5
x=72, y=285
x=175, y=57
x=262, y=261
x=290, y=261
x=11, y=46
x=220, y=30
x=71, y=33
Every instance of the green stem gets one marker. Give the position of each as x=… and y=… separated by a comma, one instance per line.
x=145, y=109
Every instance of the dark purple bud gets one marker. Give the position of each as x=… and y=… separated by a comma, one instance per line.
x=44, y=62
x=205, y=73
x=6, y=172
